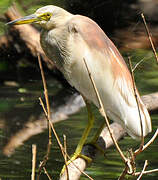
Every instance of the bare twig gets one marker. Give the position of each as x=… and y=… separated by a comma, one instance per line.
x=65, y=157
x=148, y=143
x=142, y=172
x=48, y=117
x=33, y=162
x=122, y=177
x=146, y=172
x=41, y=103
x=52, y=127
x=138, y=106
x=137, y=64
x=104, y=114
x=45, y=171
x=46, y=96
x=149, y=36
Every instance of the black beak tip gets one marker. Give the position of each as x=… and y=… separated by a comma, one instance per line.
x=6, y=24
x=10, y=23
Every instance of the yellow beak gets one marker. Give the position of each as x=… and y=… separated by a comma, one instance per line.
x=24, y=20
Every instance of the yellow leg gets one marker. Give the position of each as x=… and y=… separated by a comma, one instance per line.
x=84, y=136
x=87, y=129
x=95, y=138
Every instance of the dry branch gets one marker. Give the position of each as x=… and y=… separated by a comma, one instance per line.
x=150, y=37
x=150, y=101
x=141, y=174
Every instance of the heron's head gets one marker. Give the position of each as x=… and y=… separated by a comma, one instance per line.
x=48, y=17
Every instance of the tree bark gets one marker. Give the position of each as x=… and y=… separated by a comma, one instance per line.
x=150, y=101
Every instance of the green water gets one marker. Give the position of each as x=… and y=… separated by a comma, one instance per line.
x=18, y=104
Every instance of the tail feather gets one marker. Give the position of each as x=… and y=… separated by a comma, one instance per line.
x=133, y=128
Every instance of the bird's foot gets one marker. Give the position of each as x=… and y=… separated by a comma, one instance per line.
x=75, y=156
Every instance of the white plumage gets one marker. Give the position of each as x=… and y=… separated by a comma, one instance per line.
x=79, y=37
x=67, y=39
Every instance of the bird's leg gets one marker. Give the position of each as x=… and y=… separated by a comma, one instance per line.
x=84, y=137
x=87, y=129
x=93, y=142
x=95, y=138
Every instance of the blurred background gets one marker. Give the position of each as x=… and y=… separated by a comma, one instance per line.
x=22, y=121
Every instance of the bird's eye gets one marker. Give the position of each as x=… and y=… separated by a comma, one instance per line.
x=48, y=15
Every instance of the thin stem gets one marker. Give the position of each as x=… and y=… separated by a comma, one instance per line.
x=33, y=161
x=53, y=129
x=45, y=171
x=149, y=36
x=148, y=143
x=146, y=172
x=122, y=177
x=46, y=95
x=136, y=65
x=41, y=103
x=65, y=157
x=47, y=112
x=142, y=172
x=138, y=105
